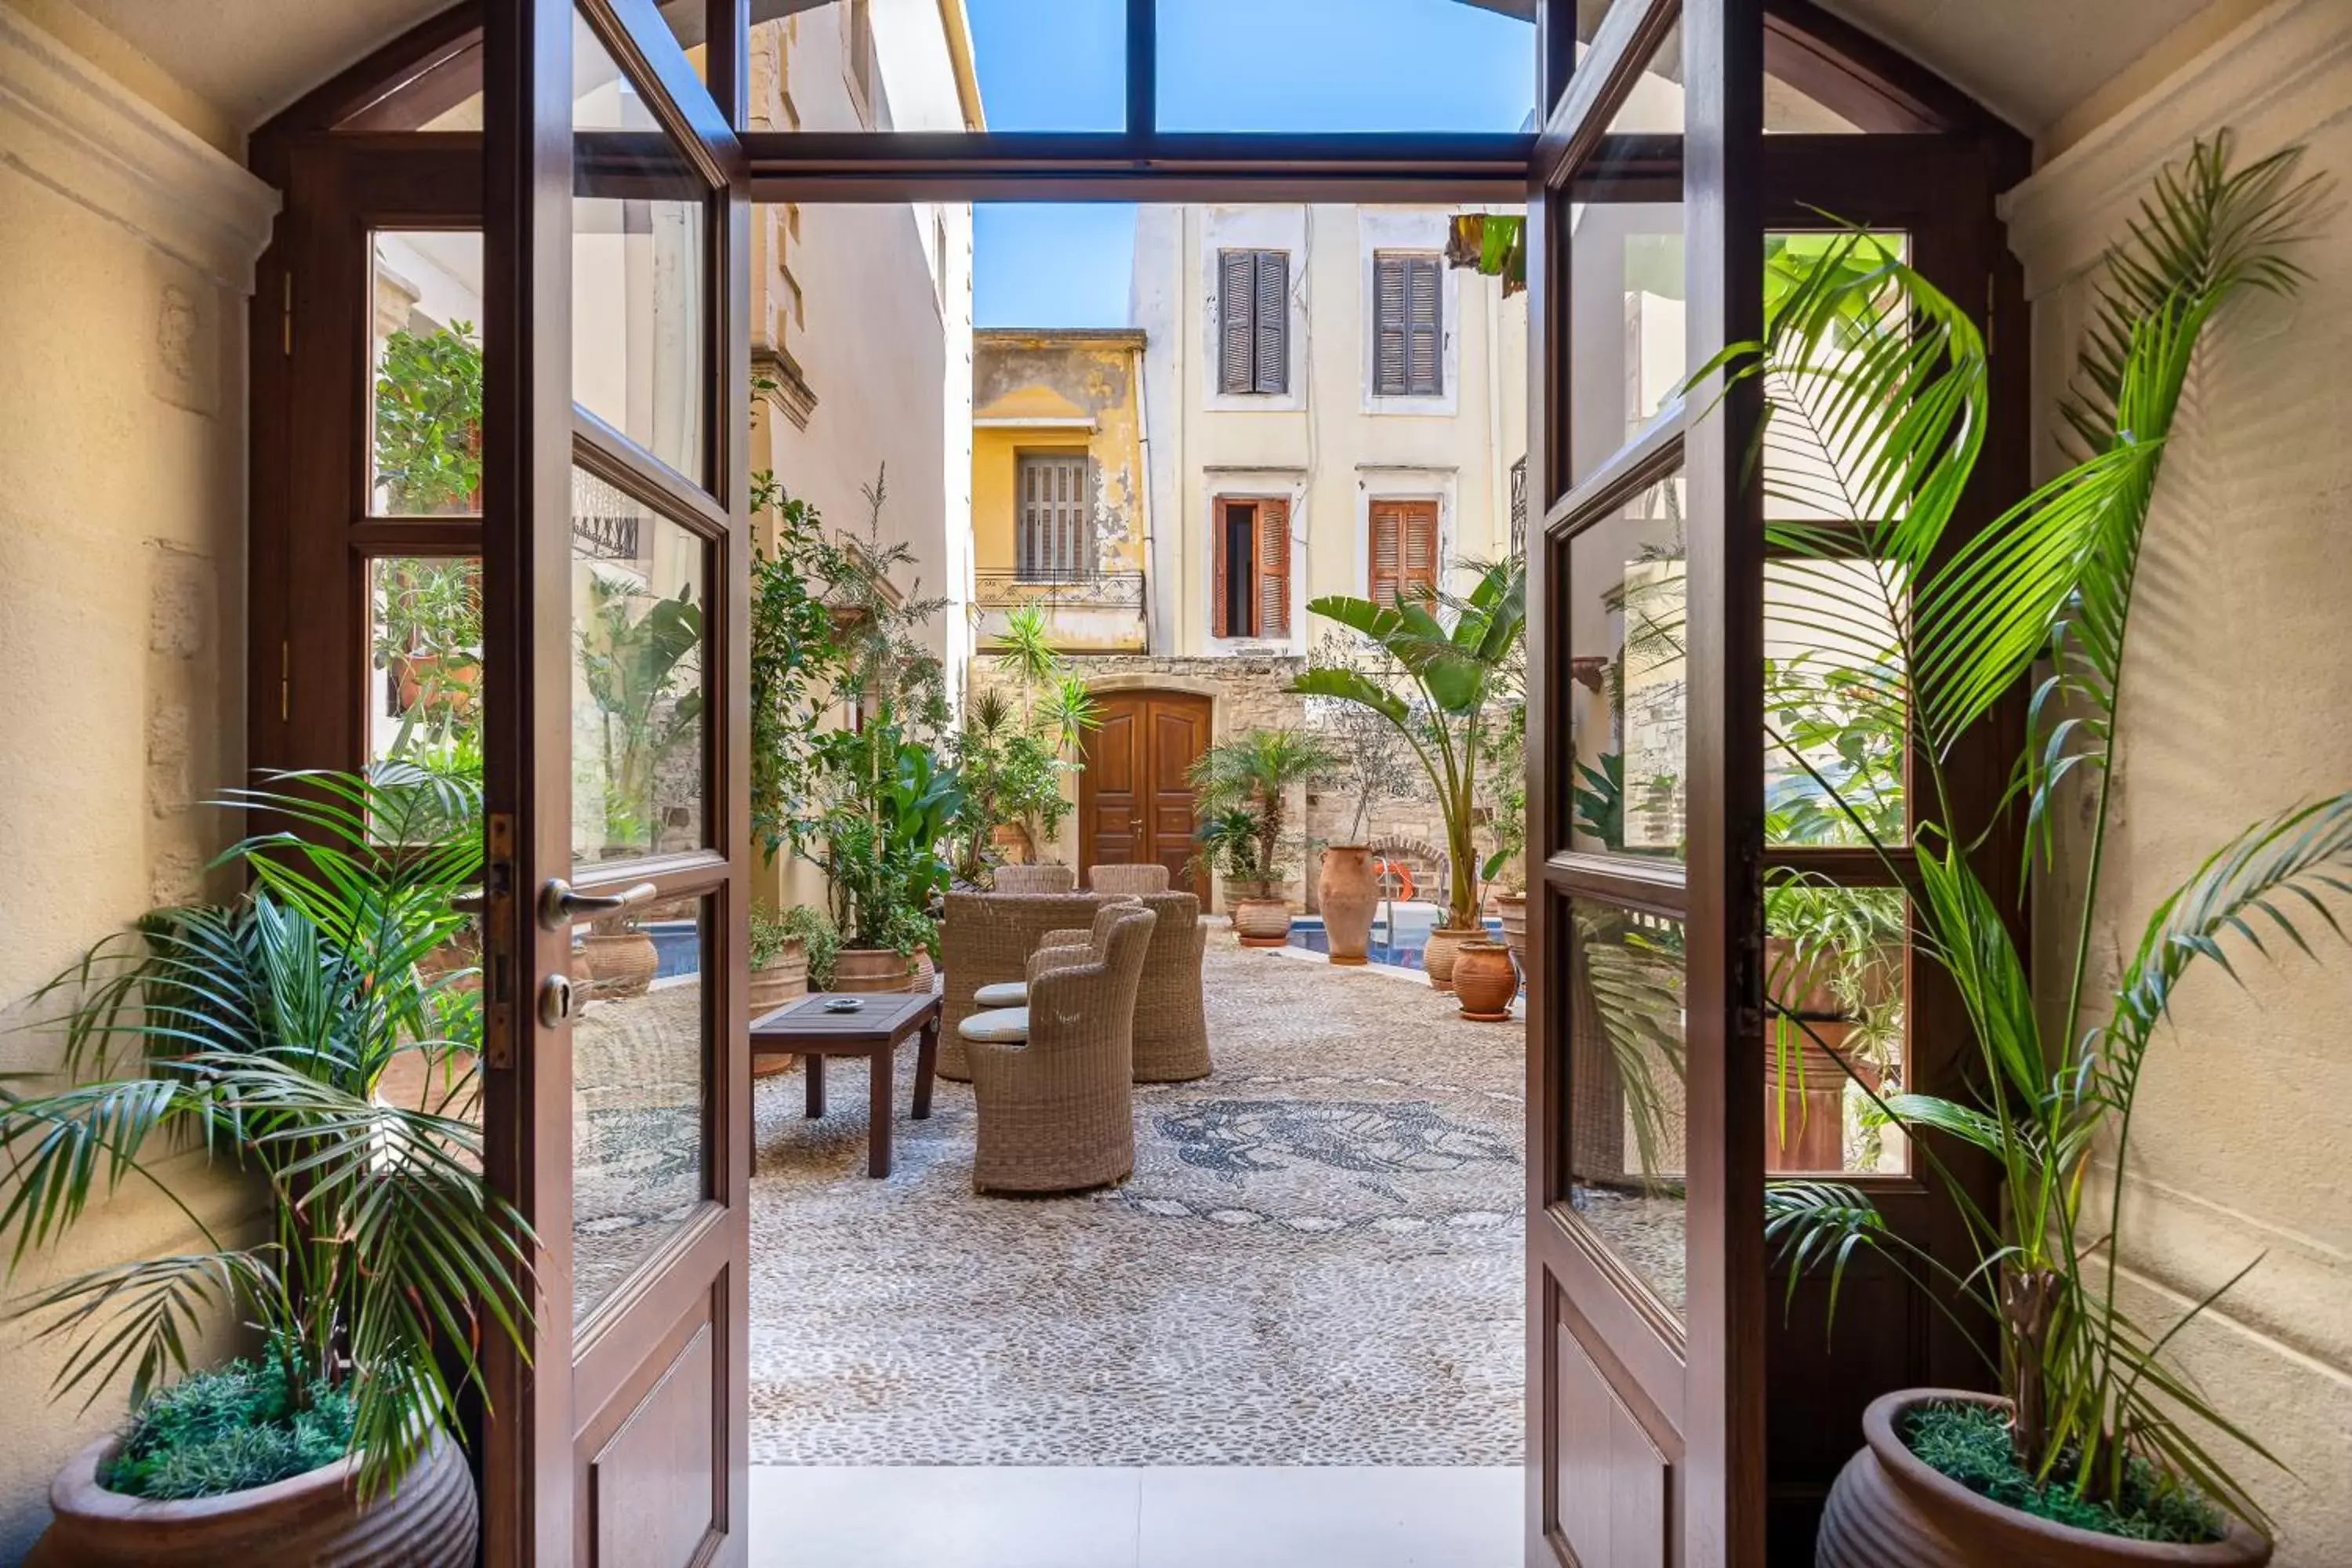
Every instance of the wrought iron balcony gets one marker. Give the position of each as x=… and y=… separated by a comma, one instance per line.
x=1096, y=590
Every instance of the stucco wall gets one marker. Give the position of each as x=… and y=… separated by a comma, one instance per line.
x=1327, y=445
x=870, y=306
x=2237, y=703
x=126, y=255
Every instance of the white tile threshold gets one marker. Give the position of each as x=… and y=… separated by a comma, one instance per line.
x=918, y=1516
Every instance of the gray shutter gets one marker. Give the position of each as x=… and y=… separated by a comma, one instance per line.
x=1236, y=294
x=1388, y=325
x=1424, y=358
x=1271, y=368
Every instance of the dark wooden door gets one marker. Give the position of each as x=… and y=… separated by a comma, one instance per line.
x=1135, y=805
x=615, y=555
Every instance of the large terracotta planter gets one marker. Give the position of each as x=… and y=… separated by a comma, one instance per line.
x=1891, y=1507
x=1511, y=909
x=1437, y=958
x=428, y=1522
x=1347, y=893
x=783, y=979
x=622, y=964
x=875, y=969
x=1485, y=982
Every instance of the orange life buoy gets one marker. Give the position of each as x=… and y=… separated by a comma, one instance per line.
x=1403, y=874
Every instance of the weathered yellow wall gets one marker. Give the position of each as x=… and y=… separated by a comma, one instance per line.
x=122, y=298
x=2237, y=703
x=1075, y=391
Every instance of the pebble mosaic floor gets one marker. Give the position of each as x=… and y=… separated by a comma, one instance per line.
x=1316, y=1261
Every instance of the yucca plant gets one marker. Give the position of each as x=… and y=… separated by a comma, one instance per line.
x=1877, y=388
x=1457, y=665
x=261, y=1031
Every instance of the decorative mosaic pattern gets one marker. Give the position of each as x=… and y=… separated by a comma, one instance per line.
x=1317, y=1261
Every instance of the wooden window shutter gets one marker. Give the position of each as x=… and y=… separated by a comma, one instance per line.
x=1236, y=320
x=1271, y=365
x=1417, y=572
x=1388, y=325
x=1388, y=551
x=1274, y=569
x=1219, y=622
x=1424, y=358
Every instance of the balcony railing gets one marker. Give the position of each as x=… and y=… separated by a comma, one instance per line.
x=1102, y=590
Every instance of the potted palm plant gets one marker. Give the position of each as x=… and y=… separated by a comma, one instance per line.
x=1242, y=788
x=2097, y=1449
x=1458, y=659
x=267, y=1033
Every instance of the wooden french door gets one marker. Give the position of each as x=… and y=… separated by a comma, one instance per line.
x=614, y=560
x=1645, y=1301
x=1134, y=804
x=1679, y=1410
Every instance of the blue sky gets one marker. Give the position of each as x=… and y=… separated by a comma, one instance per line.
x=1305, y=65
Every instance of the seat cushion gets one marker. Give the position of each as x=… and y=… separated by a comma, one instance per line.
x=1003, y=994
x=1001, y=1026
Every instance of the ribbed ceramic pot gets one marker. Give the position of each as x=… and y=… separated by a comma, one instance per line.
x=1890, y=1507
x=1261, y=922
x=429, y=1521
x=622, y=964
x=783, y=980
x=1347, y=894
x=873, y=969
x=1485, y=982
x=1437, y=958
x=1511, y=909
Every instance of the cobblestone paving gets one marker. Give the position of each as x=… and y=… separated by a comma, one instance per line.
x=1317, y=1261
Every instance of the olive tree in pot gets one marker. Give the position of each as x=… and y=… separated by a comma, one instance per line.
x=1459, y=663
x=1242, y=788
x=262, y=1033
x=2096, y=1448
x=1374, y=767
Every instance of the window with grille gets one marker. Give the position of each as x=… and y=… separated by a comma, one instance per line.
x=1254, y=321
x=1055, y=523
x=1404, y=551
x=1408, y=329
x=1253, y=594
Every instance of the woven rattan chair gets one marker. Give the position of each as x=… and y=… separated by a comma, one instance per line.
x=1172, y=1030
x=1035, y=879
x=1127, y=879
x=987, y=938
x=1057, y=1113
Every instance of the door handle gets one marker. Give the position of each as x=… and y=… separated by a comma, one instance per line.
x=559, y=906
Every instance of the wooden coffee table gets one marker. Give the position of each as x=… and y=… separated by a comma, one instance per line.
x=805, y=1028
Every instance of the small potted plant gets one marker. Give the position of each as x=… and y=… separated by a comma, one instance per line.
x=1506, y=868
x=779, y=965
x=2094, y=1449
x=1445, y=666
x=267, y=1032
x=1241, y=786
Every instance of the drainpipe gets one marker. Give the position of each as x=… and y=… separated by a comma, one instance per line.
x=1143, y=448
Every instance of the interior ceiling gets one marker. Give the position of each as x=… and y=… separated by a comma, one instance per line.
x=2029, y=60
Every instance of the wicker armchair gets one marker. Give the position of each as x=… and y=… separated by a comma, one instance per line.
x=1127, y=879
x=1056, y=1115
x=988, y=937
x=1172, y=1030
x=1035, y=879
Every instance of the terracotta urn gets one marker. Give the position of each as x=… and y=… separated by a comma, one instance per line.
x=1890, y=1505
x=1347, y=894
x=620, y=963
x=429, y=1521
x=875, y=969
x=1437, y=958
x=1485, y=981
x=1512, y=910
